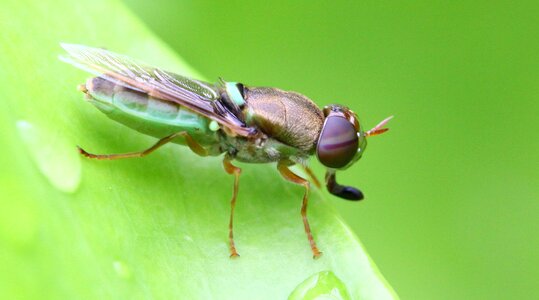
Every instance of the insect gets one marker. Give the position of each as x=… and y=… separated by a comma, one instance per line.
x=247, y=124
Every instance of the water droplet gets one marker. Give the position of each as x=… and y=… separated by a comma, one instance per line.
x=54, y=156
x=121, y=269
x=323, y=285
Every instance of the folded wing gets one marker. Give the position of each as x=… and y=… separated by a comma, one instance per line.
x=199, y=96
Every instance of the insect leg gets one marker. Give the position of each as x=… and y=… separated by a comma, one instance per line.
x=311, y=175
x=193, y=145
x=232, y=170
x=282, y=166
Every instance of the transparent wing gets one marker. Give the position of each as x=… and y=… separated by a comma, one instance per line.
x=199, y=96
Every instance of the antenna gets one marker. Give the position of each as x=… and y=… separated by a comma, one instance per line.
x=376, y=130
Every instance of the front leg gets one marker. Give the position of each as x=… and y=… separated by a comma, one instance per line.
x=283, y=167
x=311, y=175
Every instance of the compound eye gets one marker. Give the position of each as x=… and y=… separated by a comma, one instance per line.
x=338, y=143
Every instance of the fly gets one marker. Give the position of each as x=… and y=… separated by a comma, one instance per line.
x=245, y=123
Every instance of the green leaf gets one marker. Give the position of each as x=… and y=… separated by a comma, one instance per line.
x=155, y=227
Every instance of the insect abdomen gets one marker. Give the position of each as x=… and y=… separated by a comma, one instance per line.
x=145, y=114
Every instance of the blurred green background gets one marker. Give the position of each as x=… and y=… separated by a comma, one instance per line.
x=451, y=209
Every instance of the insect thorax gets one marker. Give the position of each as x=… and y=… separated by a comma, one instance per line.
x=288, y=117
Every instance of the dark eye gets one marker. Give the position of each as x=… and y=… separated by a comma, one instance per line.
x=338, y=143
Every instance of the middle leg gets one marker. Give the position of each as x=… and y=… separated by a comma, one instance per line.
x=232, y=170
